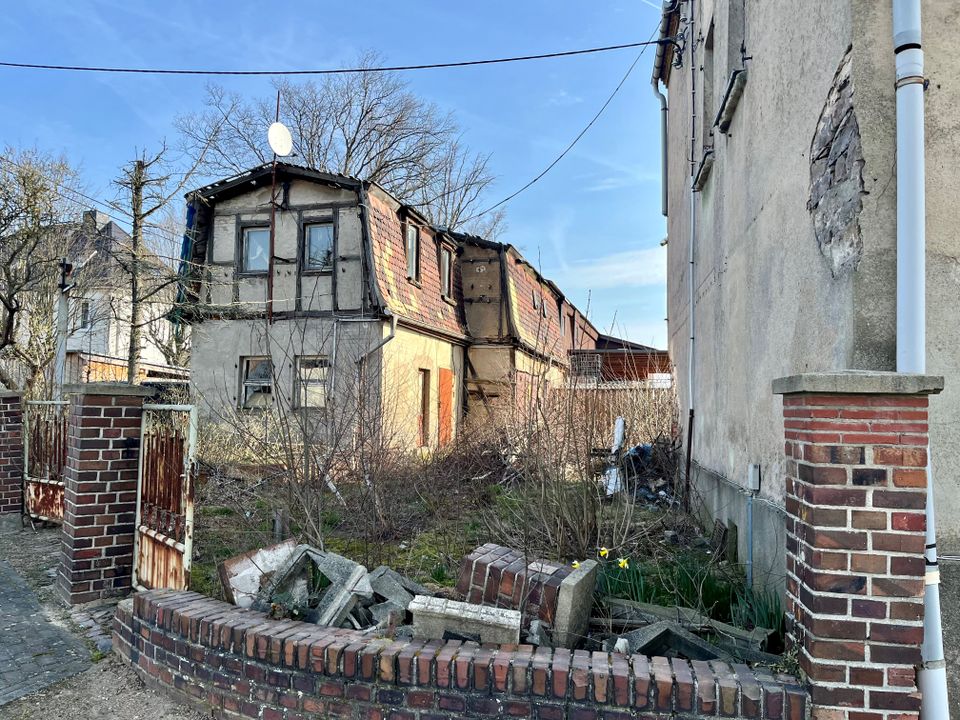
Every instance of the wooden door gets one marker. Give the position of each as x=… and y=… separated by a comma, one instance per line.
x=446, y=405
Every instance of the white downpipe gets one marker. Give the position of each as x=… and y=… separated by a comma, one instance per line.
x=691, y=374
x=911, y=313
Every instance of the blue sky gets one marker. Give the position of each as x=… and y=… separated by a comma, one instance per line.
x=593, y=223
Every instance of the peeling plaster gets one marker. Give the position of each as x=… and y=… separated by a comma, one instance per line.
x=836, y=177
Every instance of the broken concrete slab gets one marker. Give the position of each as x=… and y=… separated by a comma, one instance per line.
x=244, y=576
x=669, y=639
x=574, y=604
x=432, y=617
x=389, y=585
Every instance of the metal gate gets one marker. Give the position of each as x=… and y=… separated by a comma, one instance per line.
x=44, y=458
x=163, y=540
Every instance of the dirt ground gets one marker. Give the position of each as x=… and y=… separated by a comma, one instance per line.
x=108, y=689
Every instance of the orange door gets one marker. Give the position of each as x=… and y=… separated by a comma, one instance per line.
x=446, y=405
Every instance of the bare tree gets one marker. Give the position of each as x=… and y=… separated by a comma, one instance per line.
x=33, y=237
x=368, y=124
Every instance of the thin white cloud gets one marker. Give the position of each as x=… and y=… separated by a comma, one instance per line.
x=630, y=268
x=562, y=98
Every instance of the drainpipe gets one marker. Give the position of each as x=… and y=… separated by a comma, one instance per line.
x=911, y=314
x=691, y=375
x=664, y=171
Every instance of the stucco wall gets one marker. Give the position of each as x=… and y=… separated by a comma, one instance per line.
x=403, y=357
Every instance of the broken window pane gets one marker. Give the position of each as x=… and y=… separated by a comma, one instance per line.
x=413, y=252
x=446, y=272
x=257, y=389
x=256, y=249
x=319, y=246
x=312, y=380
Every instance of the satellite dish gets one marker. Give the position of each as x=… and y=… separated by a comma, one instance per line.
x=279, y=138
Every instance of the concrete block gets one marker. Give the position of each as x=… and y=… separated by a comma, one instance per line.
x=432, y=617
x=668, y=639
x=574, y=605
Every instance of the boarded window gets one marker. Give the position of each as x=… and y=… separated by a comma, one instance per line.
x=312, y=381
x=423, y=419
x=446, y=272
x=413, y=252
x=84, y=321
x=256, y=382
x=445, y=407
x=319, y=246
x=255, y=250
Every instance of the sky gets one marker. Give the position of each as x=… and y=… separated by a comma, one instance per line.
x=592, y=224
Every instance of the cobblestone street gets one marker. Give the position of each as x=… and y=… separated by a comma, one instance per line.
x=34, y=652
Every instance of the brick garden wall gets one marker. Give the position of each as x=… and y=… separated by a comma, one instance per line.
x=11, y=452
x=236, y=663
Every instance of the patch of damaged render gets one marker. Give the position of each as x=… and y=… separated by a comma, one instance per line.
x=836, y=177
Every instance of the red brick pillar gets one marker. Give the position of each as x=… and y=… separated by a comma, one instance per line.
x=100, y=490
x=856, y=485
x=11, y=453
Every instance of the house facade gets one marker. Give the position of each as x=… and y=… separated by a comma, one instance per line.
x=363, y=298
x=780, y=194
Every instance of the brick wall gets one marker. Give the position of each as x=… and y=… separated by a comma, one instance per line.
x=235, y=663
x=100, y=490
x=855, y=497
x=507, y=578
x=11, y=452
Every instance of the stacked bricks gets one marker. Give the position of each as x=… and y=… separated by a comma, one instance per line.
x=506, y=578
x=856, y=484
x=234, y=663
x=100, y=490
x=11, y=453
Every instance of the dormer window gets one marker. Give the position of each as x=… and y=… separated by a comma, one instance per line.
x=413, y=252
x=446, y=272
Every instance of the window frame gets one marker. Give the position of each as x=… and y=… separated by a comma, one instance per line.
x=423, y=416
x=317, y=222
x=246, y=362
x=446, y=272
x=300, y=385
x=242, y=260
x=84, y=322
x=418, y=251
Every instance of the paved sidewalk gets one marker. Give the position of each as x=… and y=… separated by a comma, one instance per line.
x=34, y=652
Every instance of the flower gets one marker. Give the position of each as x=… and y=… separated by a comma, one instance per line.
x=576, y=564
x=623, y=563
x=604, y=552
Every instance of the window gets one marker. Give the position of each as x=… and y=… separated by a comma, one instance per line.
x=255, y=250
x=563, y=325
x=318, y=240
x=256, y=382
x=543, y=308
x=312, y=381
x=413, y=252
x=84, y=315
x=423, y=419
x=446, y=272
x=536, y=300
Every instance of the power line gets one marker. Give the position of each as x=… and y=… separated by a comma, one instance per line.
x=583, y=132
x=332, y=71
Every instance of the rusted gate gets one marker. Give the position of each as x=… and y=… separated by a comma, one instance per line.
x=163, y=539
x=44, y=458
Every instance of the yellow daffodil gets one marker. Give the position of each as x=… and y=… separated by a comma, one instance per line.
x=576, y=564
x=604, y=552
x=623, y=563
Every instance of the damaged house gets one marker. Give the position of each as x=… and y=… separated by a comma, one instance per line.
x=362, y=297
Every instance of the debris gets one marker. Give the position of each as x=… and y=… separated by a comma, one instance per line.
x=432, y=617
x=622, y=646
x=669, y=639
x=242, y=576
x=612, y=481
x=574, y=603
x=538, y=635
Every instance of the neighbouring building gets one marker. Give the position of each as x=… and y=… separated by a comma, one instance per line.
x=99, y=327
x=781, y=183
x=365, y=296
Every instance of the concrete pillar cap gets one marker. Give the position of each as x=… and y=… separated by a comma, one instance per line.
x=10, y=393
x=108, y=388
x=859, y=382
